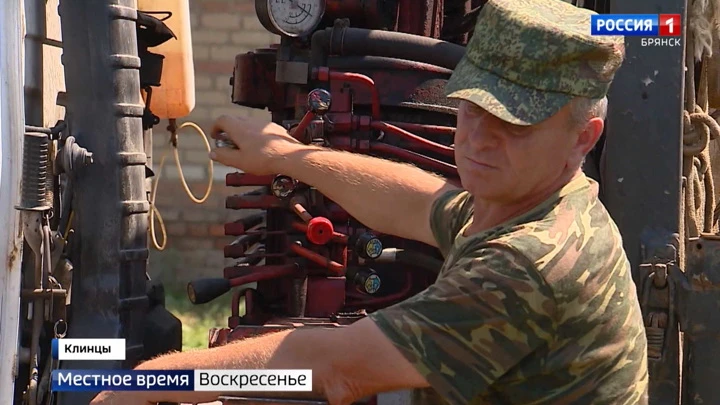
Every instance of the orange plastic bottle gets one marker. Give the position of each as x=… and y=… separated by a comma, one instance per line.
x=175, y=97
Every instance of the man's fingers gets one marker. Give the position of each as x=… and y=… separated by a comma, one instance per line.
x=217, y=128
x=225, y=124
x=224, y=156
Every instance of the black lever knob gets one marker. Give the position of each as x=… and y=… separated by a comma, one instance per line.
x=365, y=280
x=207, y=289
x=368, y=246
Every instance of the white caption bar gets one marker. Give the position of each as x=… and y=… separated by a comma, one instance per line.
x=88, y=349
x=253, y=380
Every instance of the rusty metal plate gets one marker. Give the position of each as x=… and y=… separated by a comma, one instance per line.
x=699, y=315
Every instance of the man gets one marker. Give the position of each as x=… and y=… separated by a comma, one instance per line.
x=535, y=302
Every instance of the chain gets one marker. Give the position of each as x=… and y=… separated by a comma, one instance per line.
x=60, y=329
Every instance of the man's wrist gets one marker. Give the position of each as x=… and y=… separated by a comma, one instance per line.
x=145, y=365
x=149, y=365
x=285, y=161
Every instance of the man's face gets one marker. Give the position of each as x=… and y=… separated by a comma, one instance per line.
x=506, y=163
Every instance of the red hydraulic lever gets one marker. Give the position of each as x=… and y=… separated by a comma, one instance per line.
x=319, y=259
x=336, y=236
x=299, y=130
x=318, y=102
x=319, y=229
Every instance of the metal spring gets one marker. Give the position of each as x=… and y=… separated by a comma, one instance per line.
x=50, y=185
x=36, y=174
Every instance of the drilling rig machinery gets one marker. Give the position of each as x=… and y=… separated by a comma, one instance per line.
x=365, y=76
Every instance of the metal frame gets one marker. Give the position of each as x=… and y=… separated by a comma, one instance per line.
x=642, y=170
x=11, y=146
x=109, y=297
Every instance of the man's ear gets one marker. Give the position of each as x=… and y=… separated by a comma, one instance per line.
x=590, y=135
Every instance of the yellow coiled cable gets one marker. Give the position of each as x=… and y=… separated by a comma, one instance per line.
x=153, y=208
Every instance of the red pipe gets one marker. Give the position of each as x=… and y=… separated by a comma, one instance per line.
x=319, y=259
x=448, y=169
x=237, y=202
x=430, y=145
x=267, y=273
x=344, y=143
x=245, y=271
x=246, y=179
x=362, y=79
x=432, y=129
x=325, y=74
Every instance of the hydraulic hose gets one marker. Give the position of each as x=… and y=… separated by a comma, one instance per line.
x=319, y=44
x=382, y=63
x=346, y=143
x=362, y=42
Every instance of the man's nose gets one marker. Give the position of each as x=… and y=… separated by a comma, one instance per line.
x=484, y=132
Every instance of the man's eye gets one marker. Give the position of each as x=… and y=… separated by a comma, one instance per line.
x=516, y=130
x=473, y=111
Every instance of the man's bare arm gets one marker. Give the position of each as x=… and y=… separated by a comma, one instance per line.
x=338, y=359
x=393, y=198
x=390, y=197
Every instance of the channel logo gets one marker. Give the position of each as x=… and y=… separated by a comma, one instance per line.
x=645, y=25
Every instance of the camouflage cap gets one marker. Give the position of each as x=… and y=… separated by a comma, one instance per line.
x=528, y=58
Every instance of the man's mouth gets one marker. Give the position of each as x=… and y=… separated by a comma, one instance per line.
x=479, y=164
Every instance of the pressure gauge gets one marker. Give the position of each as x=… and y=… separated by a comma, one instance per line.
x=292, y=18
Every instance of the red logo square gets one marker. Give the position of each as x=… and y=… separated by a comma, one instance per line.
x=669, y=25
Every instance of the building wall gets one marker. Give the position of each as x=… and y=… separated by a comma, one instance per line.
x=221, y=29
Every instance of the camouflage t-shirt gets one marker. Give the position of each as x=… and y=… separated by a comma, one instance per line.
x=539, y=310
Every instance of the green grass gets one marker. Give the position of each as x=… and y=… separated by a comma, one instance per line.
x=197, y=320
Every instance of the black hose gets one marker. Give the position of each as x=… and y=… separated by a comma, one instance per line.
x=378, y=62
x=418, y=259
x=319, y=44
x=362, y=42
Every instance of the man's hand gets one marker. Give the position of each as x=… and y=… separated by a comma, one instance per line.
x=118, y=398
x=390, y=197
x=338, y=359
x=260, y=144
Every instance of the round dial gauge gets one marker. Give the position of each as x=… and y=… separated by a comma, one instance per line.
x=292, y=18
